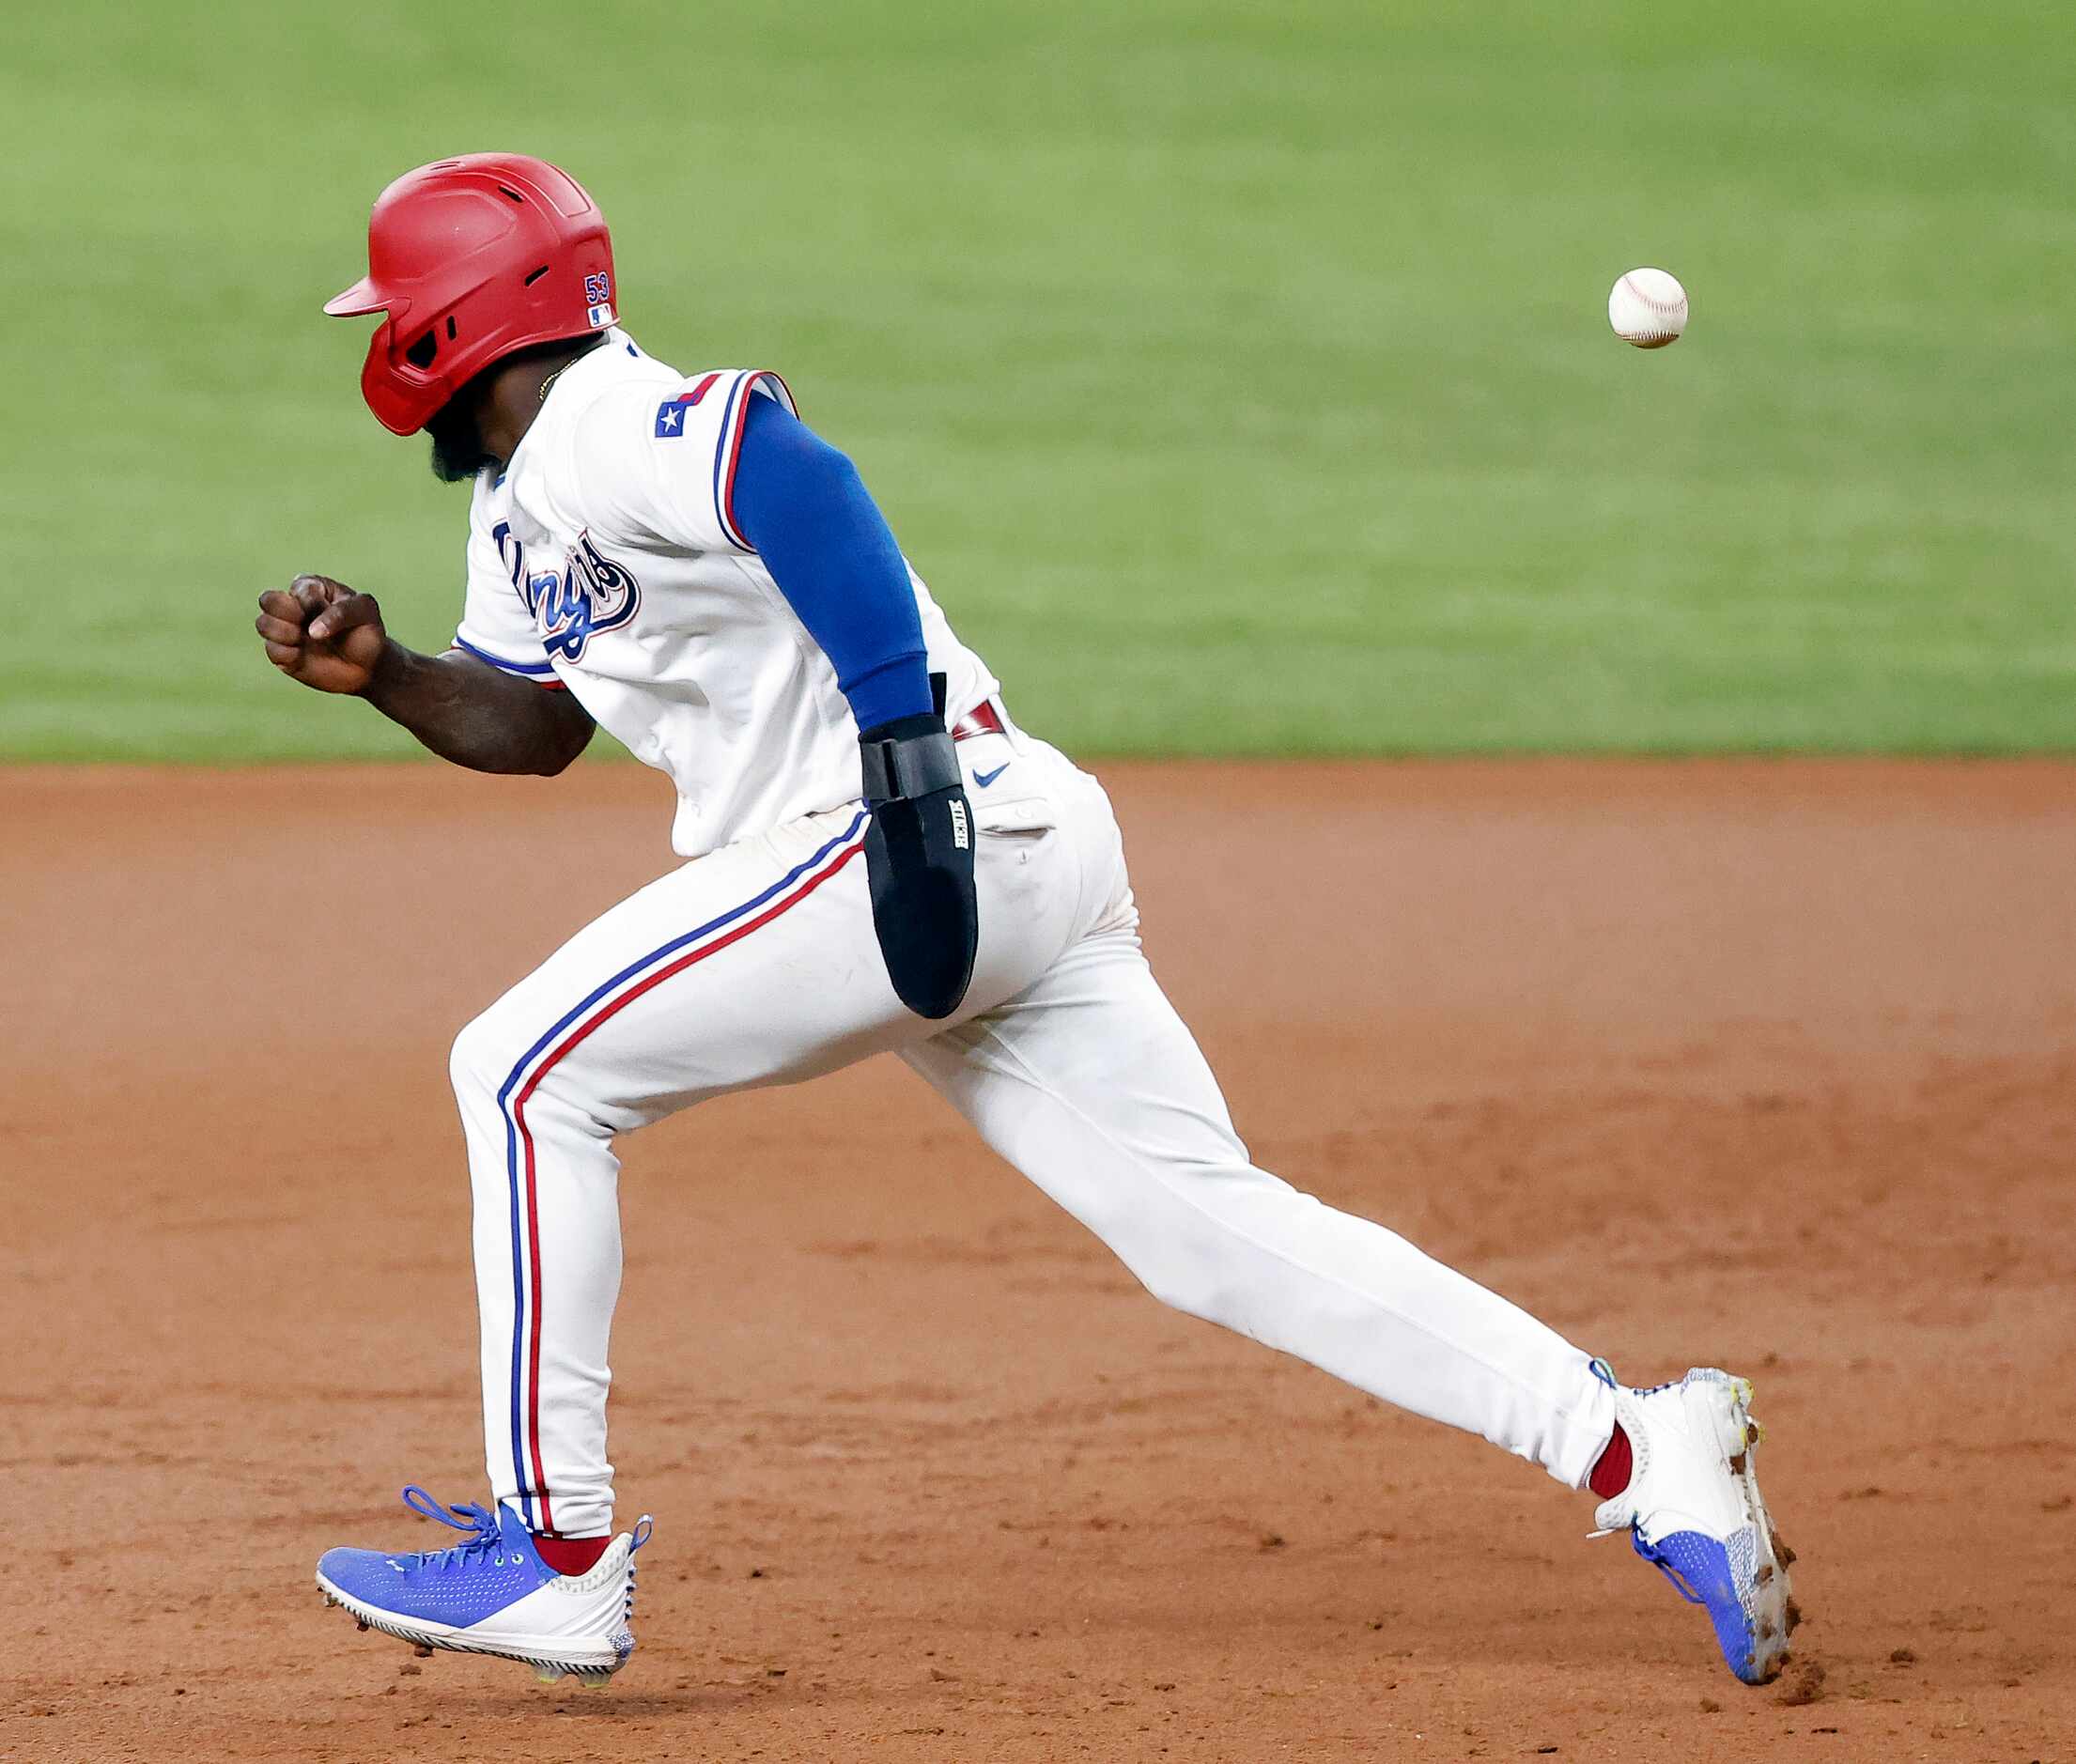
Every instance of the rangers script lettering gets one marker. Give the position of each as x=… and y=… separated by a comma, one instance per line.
x=590, y=594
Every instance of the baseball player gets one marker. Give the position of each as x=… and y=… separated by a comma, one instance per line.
x=876, y=858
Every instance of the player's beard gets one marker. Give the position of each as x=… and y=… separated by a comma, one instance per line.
x=458, y=453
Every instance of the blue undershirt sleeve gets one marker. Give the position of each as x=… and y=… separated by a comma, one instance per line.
x=801, y=504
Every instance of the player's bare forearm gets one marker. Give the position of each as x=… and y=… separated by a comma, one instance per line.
x=331, y=639
x=470, y=713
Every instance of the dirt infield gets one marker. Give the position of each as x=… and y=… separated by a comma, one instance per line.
x=1768, y=1065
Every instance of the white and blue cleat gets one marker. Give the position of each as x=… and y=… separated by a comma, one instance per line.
x=492, y=1594
x=1693, y=1509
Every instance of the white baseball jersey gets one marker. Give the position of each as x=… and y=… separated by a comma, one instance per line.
x=607, y=560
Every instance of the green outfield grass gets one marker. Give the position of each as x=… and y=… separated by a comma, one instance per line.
x=1236, y=373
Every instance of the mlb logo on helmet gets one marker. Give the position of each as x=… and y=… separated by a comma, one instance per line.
x=598, y=298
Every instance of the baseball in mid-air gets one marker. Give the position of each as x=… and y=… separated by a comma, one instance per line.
x=1648, y=308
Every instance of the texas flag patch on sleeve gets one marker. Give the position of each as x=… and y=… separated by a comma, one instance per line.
x=669, y=414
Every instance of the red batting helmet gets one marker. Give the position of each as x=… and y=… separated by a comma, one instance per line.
x=468, y=260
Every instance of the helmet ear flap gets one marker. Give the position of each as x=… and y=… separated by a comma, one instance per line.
x=423, y=353
x=400, y=383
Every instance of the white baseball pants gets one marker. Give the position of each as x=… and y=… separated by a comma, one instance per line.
x=757, y=964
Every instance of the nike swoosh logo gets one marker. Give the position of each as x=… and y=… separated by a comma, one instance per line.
x=985, y=779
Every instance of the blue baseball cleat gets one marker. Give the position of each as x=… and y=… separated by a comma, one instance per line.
x=492, y=1594
x=1693, y=1509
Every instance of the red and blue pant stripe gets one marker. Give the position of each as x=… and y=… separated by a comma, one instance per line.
x=569, y=1031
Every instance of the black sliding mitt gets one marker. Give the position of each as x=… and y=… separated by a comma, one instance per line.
x=919, y=860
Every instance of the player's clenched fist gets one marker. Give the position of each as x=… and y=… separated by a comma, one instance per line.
x=320, y=632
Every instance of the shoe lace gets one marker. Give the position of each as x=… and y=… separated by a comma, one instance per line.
x=480, y=1523
x=1657, y=1559
x=643, y=1526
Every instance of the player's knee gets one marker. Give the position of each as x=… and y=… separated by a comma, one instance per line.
x=1176, y=1288
x=1180, y=1269
x=483, y=1056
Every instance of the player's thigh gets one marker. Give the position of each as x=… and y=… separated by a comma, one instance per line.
x=1088, y=1081
x=1048, y=867
x=753, y=965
